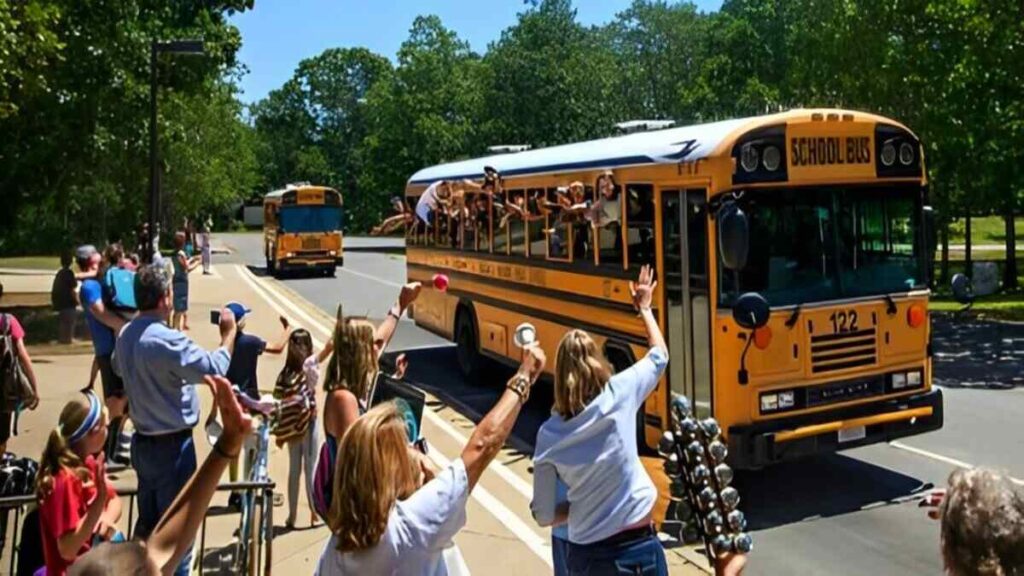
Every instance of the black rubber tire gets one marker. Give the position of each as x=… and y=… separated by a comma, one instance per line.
x=471, y=361
x=332, y=272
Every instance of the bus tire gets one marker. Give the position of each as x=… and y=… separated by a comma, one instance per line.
x=620, y=358
x=467, y=351
x=331, y=272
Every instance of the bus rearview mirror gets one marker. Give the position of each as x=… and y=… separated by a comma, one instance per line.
x=751, y=311
x=733, y=236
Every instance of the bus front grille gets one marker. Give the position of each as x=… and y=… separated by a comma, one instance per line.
x=832, y=352
x=310, y=243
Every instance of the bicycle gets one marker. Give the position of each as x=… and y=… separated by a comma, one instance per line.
x=245, y=561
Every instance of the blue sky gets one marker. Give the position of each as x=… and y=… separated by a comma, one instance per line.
x=277, y=34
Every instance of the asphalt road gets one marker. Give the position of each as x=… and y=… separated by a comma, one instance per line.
x=851, y=513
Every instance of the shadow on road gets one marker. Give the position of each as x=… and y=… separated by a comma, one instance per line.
x=436, y=371
x=829, y=485
x=972, y=353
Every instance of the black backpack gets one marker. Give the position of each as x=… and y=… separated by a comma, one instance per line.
x=17, y=476
x=16, y=391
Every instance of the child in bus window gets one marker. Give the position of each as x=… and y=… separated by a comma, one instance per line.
x=403, y=216
x=607, y=210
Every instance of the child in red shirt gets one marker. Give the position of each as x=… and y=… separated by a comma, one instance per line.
x=77, y=507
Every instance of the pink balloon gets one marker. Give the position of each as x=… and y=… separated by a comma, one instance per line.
x=441, y=282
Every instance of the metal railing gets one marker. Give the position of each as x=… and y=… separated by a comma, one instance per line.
x=264, y=544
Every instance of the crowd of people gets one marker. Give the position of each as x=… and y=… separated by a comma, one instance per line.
x=388, y=509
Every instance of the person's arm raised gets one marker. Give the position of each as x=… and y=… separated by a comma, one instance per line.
x=643, y=296
x=280, y=346
x=492, y=432
x=177, y=528
x=71, y=542
x=387, y=327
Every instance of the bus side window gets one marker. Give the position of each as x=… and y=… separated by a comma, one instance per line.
x=536, y=222
x=639, y=216
x=500, y=222
x=410, y=226
x=482, y=221
x=558, y=232
x=609, y=234
x=269, y=215
x=517, y=223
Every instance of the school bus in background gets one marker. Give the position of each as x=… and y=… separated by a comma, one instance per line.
x=302, y=229
x=791, y=251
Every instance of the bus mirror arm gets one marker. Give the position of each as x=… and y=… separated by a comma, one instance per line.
x=743, y=376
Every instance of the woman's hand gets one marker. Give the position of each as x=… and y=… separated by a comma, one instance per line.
x=410, y=292
x=533, y=362
x=101, y=480
x=421, y=461
x=643, y=290
x=237, y=424
x=401, y=365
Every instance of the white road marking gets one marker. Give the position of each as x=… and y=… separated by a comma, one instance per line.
x=944, y=459
x=501, y=512
x=513, y=523
x=370, y=277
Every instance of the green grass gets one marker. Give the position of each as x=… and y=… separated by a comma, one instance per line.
x=31, y=262
x=984, y=230
x=996, y=307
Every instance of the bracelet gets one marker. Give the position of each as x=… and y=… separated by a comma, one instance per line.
x=397, y=315
x=520, y=384
x=223, y=454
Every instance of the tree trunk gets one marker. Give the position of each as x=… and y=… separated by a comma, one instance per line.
x=1010, y=270
x=969, y=268
x=944, y=276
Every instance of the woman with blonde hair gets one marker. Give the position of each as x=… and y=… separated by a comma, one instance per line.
x=390, y=513
x=355, y=351
x=77, y=507
x=589, y=443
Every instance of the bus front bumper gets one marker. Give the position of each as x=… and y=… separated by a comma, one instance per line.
x=301, y=263
x=757, y=445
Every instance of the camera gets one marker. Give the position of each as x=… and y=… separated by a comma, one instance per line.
x=215, y=317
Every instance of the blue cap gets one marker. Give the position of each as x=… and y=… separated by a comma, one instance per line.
x=238, y=309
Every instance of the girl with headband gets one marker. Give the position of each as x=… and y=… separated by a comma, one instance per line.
x=77, y=505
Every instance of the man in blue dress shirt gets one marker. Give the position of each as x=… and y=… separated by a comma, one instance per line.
x=161, y=367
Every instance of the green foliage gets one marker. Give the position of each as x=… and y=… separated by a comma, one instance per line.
x=74, y=109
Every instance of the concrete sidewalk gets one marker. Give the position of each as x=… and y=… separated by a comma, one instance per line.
x=500, y=536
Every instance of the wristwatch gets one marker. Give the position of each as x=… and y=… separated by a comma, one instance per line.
x=520, y=384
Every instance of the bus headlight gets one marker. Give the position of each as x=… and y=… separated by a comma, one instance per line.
x=907, y=380
x=777, y=401
x=772, y=158
x=290, y=255
x=906, y=154
x=333, y=253
x=888, y=154
x=749, y=157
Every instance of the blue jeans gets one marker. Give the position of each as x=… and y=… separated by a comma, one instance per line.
x=164, y=465
x=559, y=554
x=642, y=556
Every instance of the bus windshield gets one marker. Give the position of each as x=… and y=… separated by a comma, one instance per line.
x=298, y=219
x=812, y=245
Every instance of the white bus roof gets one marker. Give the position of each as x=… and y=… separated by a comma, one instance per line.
x=279, y=193
x=667, y=146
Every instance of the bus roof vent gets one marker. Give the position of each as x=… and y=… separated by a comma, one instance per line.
x=632, y=126
x=508, y=148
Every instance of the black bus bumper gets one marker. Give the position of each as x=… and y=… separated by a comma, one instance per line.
x=757, y=445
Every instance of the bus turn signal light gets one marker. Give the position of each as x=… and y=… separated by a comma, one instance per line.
x=762, y=337
x=916, y=315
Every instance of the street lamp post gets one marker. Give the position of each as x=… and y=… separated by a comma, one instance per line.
x=156, y=48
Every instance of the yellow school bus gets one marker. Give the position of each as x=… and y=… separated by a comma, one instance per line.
x=302, y=229
x=792, y=256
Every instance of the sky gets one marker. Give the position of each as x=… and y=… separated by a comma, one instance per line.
x=277, y=34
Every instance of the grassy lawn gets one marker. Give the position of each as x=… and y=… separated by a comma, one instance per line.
x=996, y=307
x=984, y=230
x=31, y=262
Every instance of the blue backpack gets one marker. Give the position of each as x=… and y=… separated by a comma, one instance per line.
x=119, y=289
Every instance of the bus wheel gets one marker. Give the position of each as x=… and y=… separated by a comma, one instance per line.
x=332, y=272
x=467, y=345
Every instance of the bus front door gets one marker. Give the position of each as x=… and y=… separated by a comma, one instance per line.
x=684, y=233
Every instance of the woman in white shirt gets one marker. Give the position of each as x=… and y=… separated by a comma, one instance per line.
x=589, y=443
x=389, y=513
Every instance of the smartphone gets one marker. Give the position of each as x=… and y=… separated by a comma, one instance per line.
x=214, y=317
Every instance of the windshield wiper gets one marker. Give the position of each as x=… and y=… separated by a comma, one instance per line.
x=794, y=316
x=891, y=305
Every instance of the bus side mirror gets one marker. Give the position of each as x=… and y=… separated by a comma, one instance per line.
x=751, y=311
x=963, y=289
x=733, y=236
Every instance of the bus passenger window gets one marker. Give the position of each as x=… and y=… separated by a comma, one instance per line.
x=536, y=222
x=499, y=220
x=606, y=216
x=639, y=199
x=516, y=211
x=557, y=231
x=482, y=222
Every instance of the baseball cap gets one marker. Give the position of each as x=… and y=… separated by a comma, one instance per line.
x=238, y=309
x=85, y=252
